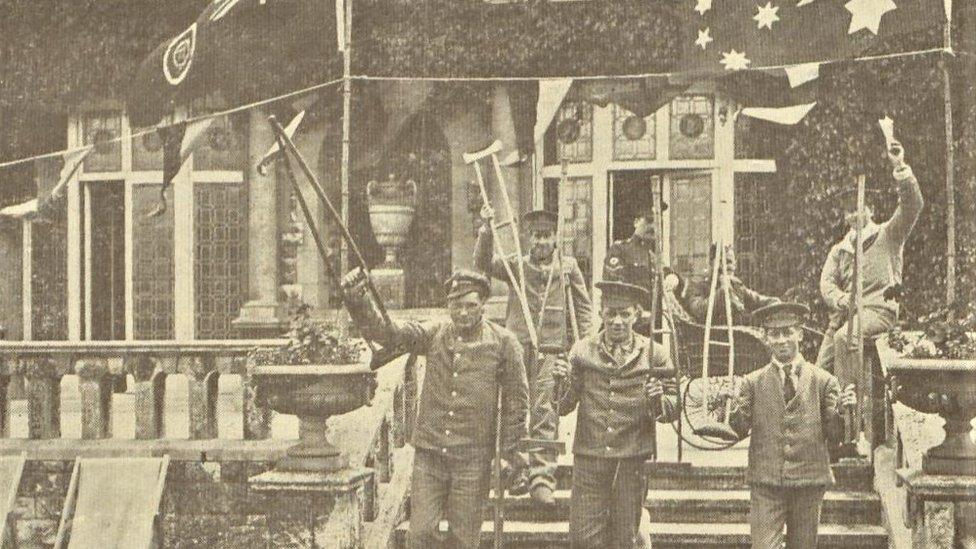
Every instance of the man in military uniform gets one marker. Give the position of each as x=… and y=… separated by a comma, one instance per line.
x=545, y=287
x=469, y=359
x=621, y=384
x=883, y=258
x=634, y=260
x=793, y=409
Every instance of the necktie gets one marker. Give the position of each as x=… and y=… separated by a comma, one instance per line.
x=789, y=389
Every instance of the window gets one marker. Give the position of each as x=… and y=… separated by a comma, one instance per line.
x=692, y=130
x=691, y=222
x=573, y=201
x=574, y=130
x=633, y=137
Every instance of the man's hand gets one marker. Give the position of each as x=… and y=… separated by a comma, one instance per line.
x=354, y=282
x=653, y=388
x=487, y=213
x=670, y=282
x=848, y=398
x=844, y=303
x=560, y=369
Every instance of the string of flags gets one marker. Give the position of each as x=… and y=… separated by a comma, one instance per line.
x=775, y=39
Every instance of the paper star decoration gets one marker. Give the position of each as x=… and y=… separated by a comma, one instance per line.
x=734, y=60
x=704, y=37
x=866, y=14
x=701, y=6
x=766, y=15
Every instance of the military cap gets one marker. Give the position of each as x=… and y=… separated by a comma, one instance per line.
x=621, y=294
x=539, y=219
x=780, y=315
x=465, y=281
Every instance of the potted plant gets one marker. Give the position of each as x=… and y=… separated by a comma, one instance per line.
x=934, y=371
x=317, y=374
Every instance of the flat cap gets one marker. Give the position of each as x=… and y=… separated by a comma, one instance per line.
x=465, y=281
x=621, y=294
x=537, y=219
x=780, y=315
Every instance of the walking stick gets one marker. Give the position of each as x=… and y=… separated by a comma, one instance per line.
x=855, y=338
x=498, y=501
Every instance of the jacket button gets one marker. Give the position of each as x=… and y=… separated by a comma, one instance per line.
x=457, y=356
x=447, y=432
x=454, y=374
x=609, y=429
x=453, y=393
x=443, y=450
x=450, y=413
x=608, y=448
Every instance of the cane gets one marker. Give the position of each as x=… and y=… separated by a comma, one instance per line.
x=855, y=338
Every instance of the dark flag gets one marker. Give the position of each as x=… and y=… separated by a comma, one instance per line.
x=179, y=140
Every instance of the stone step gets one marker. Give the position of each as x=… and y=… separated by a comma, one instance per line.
x=700, y=506
x=854, y=475
x=537, y=535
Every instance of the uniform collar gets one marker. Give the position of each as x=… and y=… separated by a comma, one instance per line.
x=476, y=334
x=796, y=363
x=869, y=233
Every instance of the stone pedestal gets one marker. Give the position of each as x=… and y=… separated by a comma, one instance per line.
x=391, y=284
x=939, y=509
x=322, y=510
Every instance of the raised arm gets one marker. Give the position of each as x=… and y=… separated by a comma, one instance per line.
x=515, y=404
x=910, y=203
x=413, y=337
x=484, y=251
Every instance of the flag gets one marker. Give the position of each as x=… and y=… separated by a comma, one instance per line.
x=72, y=160
x=721, y=36
x=551, y=95
x=238, y=47
x=53, y=178
x=179, y=140
x=780, y=115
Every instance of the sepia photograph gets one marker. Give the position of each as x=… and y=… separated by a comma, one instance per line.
x=522, y=274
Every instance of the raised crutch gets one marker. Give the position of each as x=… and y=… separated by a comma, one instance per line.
x=564, y=277
x=855, y=338
x=720, y=277
x=517, y=279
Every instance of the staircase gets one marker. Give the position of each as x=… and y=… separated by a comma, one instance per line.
x=698, y=506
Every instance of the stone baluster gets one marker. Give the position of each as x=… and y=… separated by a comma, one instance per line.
x=4, y=414
x=95, y=384
x=202, y=376
x=42, y=383
x=150, y=393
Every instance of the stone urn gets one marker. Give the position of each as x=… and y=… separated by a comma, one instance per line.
x=391, y=205
x=314, y=393
x=946, y=387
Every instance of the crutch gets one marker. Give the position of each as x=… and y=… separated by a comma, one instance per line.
x=717, y=429
x=517, y=279
x=380, y=355
x=563, y=276
x=855, y=338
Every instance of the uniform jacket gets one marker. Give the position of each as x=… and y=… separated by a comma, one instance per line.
x=883, y=258
x=789, y=440
x=631, y=261
x=457, y=403
x=556, y=329
x=615, y=419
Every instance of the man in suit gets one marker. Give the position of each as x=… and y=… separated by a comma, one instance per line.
x=620, y=383
x=545, y=287
x=743, y=299
x=634, y=261
x=468, y=360
x=793, y=409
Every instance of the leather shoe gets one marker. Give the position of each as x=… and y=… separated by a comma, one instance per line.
x=543, y=494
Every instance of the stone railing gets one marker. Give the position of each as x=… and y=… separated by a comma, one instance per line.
x=104, y=366
x=210, y=498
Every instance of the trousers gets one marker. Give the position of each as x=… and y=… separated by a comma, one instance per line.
x=606, y=511
x=452, y=487
x=797, y=508
x=543, y=420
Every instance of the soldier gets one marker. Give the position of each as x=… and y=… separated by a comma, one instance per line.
x=468, y=358
x=793, y=409
x=612, y=381
x=883, y=258
x=552, y=327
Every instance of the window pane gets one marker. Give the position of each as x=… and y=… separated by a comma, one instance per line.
x=220, y=261
x=147, y=152
x=692, y=129
x=633, y=137
x=691, y=223
x=152, y=265
x=577, y=142
x=100, y=128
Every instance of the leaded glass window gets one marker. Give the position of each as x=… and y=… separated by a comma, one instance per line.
x=574, y=198
x=691, y=227
x=574, y=130
x=692, y=128
x=633, y=136
x=752, y=226
x=49, y=283
x=147, y=152
x=152, y=266
x=102, y=129
x=220, y=259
